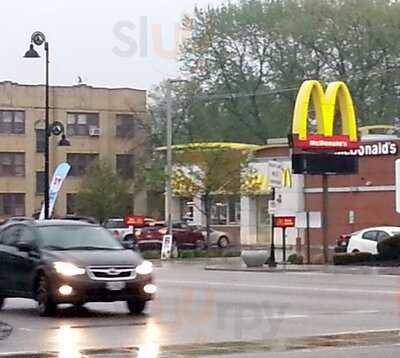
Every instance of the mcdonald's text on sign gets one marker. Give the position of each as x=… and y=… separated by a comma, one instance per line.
x=284, y=221
x=324, y=104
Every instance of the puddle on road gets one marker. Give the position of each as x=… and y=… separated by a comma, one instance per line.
x=152, y=350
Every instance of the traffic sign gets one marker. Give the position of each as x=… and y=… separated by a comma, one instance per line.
x=166, y=249
x=284, y=221
x=275, y=174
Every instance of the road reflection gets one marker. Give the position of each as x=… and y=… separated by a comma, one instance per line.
x=151, y=346
x=68, y=343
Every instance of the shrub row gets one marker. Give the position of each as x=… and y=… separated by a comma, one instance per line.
x=190, y=254
x=348, y=259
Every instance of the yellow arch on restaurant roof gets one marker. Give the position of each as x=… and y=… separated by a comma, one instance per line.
x=324, y=104
x=211, y=146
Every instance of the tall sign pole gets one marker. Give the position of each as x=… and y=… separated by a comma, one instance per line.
x=325, y=226
x=275, y=181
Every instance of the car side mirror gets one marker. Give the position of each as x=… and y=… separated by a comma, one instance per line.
x=24, y=246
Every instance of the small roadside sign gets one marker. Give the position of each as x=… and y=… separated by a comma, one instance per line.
x=275, y=174
x=284, y=221
x=166, y=247
x=137, y=221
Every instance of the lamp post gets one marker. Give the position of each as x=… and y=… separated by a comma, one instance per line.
x=168, y=214
x=38, y=39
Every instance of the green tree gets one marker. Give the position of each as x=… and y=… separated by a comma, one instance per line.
x=246, y=60
x=207, y=170
x=104, y=193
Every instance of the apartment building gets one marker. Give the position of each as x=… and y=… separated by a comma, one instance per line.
x=104, y=123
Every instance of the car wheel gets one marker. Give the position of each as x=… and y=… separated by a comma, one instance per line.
x=46, y=305
x=1, y=302
x=136, y=307
x=223, y=242
x=355, y=251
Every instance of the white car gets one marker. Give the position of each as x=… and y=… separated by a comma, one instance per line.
x=120, y=230
x=367, y=240
x=219, y=238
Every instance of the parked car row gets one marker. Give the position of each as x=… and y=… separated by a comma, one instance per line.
x=151, y=235
x=365, y=240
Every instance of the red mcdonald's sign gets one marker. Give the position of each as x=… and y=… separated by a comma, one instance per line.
x=284, y=221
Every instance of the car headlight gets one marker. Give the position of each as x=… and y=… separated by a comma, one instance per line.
x=145, y=268
x=67, y=269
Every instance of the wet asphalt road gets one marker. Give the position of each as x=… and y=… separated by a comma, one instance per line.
x=195, y=306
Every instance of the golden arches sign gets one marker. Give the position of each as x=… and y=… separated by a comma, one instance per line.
x=287, y=178
x=325, y=105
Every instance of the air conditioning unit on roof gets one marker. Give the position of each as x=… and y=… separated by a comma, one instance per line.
x=94, y=132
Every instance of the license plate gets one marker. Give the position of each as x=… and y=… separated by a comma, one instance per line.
x=115, y=286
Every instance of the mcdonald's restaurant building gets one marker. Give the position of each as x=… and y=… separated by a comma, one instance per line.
x=354, y=202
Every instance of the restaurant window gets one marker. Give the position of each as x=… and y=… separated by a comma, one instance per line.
x=40, y=140
x=12, y=204
x=125, y=165
x=12, y=122
x=125, y=125
x=39, y=182
x=225, y=211
x=80, y=163
x=12, y=164
x=80, y=124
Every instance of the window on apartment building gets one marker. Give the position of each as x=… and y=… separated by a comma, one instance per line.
x=71, y=204
x=40, y=140
x=125, y=125
x=125, y=165
x=12, y=204
x=39, y=182
x=80, y=124
x=12, y=164
x=12, y=122
x=80, y=163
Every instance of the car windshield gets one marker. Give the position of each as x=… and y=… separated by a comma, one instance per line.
x=395, y=233
x=74, y=237
x=116, y=224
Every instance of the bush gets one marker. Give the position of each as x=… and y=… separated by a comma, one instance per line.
x=348, y=259
x=389, y=249
x=295, y=259
x=151, y=255
x=186, y=254
x=231, y=254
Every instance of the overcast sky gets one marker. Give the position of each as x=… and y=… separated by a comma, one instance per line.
x=119, y=43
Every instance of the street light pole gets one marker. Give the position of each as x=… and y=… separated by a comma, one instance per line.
x=168, y=215
x=47, y=139
x=56, y=128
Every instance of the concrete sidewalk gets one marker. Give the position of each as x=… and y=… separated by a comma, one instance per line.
x=237, y=265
